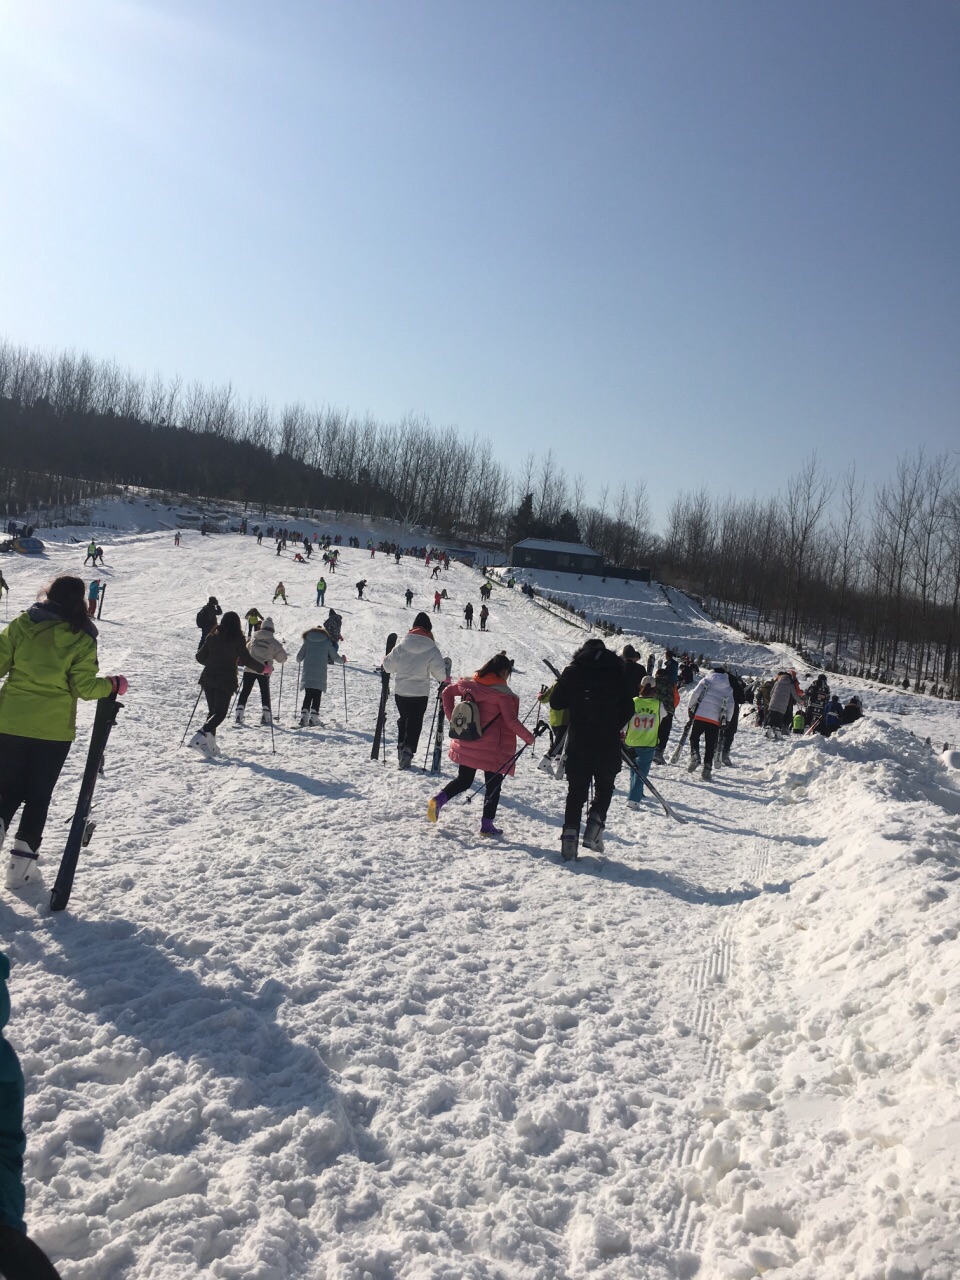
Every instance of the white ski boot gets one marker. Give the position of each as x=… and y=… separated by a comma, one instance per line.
x=304, y=718
x=405, y=758
x=201, y=742
x=21, y=865
x=240, y=711
x=569, y=843
x=314, y=719
x=266, y=717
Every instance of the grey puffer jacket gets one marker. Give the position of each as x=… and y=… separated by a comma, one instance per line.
x=316, y=653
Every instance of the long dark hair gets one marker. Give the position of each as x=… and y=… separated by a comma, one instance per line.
x=229, y=626
x=67, y=595
x=498, y=665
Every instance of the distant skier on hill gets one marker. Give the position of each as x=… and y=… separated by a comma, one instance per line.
x=468, y=615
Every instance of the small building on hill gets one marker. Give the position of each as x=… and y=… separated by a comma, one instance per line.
x=562, y=557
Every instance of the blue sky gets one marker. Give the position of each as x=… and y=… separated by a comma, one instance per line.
x=685, y=241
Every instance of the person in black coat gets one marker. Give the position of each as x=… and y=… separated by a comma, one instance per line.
x=595, y=690
x=634, y=668
x=221, y=653
x=207, y=617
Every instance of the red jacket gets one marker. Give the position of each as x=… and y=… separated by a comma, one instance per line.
x=498, y=706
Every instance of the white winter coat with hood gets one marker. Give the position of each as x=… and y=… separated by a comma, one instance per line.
x=265, y=646
x=712, y=698
x=413, y=661
x=785, y=689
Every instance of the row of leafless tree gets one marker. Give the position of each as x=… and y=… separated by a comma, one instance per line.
x=874, y=581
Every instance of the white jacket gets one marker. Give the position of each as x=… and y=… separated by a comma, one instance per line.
x=265, y=646
x=412, y=662
x=712, y=698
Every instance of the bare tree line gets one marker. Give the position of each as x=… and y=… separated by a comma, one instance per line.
x=874, y=582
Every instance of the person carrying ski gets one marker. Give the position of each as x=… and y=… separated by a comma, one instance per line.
x=220, y=654
x=254, y=621
x=484, y=615
x=486, y=591
x=711, y=703
x=266, y=649
x=321, y=590
x=408, y=596
x=413, y=662
x=669, y=694
x=49, y=656
x=641, y=740
x=784, y=693
x=91, y=553
x=436, y=602
x=207, y=617
x=318, y=651
x=360, y=586
x=280, y=593
x=93, y=595
x=495, y=750
x=557, y=721
x=595, y=690
x=468, y=615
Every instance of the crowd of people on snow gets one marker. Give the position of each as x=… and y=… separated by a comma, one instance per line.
x=605, y=711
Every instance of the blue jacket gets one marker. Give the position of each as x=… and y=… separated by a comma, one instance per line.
x=316, y=653
x=12, y=1141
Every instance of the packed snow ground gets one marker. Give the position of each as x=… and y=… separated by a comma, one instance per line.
x=288, y=1029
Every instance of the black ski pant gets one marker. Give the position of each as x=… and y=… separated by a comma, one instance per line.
x=29, y=769
x=710, y=732
x=578, y=789
x=410, y=713
x=730, y=732
x=492, y=782
x=218, y=708
x=249, y=678
x=311, y=700
x=663, y=734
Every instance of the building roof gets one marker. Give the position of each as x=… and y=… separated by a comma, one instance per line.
x=562, y=548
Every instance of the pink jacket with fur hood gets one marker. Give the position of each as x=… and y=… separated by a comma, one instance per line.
x=498, y=706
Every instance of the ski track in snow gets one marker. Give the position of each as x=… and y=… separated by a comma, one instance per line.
x=288, y=1029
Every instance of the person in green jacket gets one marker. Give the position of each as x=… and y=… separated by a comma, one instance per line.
x=49, y=658
x=643, y=728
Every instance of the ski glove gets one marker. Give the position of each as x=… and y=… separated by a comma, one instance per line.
x=120, y=685
x=542, y=727
x=267, y=669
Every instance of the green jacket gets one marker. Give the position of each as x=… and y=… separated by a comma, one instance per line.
x=643, y=726
x=558, y=718
x=11, y=1119
x=48, y=667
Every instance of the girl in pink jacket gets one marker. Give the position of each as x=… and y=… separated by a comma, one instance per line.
x=498, y=708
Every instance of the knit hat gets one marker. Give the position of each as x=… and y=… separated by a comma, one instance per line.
x=422, y=620
x=629, y=652
x=267, y=624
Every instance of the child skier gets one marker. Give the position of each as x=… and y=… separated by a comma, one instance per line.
x=318, y=651
x=267, y=649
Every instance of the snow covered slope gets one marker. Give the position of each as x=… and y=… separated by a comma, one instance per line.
x=288, y=1029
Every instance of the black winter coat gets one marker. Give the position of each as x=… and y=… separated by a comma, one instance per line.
x=220, y=656
x=595, y=690
x=207, y=617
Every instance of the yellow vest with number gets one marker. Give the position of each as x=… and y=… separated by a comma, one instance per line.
x=644, y=724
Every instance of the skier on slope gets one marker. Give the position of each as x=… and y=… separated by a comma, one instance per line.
x=360, y=588
x=595, y=690
x=333, y=626
x=468, y=615
x=254, y=621
x=220, y=654
x=318, y=651
x=280, y=594
x=91, y=553
x=784, y=693
x=484, y=615
x=641, y=740
x=498, y=708
x=267, y=649
x=93, y=595
x=668, y=692
x=710, y=703
x=408, y=596
x=321, y=591
x=207, y=617
x=436, y=601
x=413, y=662
x=49, y=656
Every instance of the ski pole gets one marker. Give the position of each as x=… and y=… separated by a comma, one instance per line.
x=280, y=690
x=433, y=721
x=273, y=741
x=346, y=716
x=190, y=721
x=478, y=787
